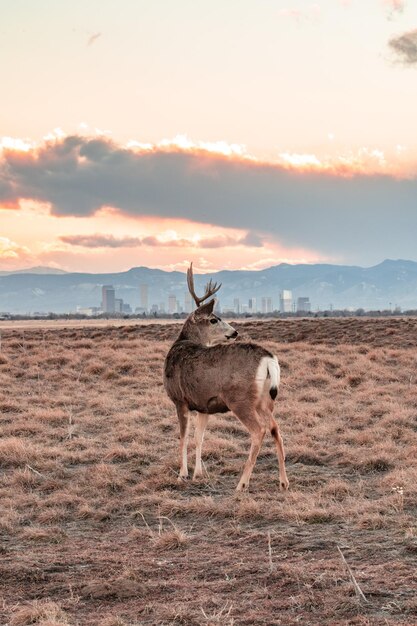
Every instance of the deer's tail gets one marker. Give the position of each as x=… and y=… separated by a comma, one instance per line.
x=274, y=375
x=268, y=375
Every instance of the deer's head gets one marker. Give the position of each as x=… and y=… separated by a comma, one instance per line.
x=203, y=325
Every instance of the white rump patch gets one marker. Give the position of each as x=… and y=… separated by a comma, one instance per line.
x=268, y=367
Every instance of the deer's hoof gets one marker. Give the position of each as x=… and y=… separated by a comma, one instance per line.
x=284, y=484
x=182, y=479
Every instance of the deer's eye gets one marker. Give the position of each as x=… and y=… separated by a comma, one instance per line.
x=213, y=320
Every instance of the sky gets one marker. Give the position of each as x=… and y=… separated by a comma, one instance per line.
x=236, y=134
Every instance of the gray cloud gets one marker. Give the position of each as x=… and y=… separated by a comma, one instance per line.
x=360, y=218
x=405, y=47
x=108, y=241
x=101, y=241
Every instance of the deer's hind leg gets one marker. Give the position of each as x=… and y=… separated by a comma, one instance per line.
x=283, y=480
x=247, y=415
x=266, y=415
x=200, y=427
x=183, y=418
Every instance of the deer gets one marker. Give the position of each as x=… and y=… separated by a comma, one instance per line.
x=207, y=371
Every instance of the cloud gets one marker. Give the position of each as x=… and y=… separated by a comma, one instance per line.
x=353, y=216
x=226, y=241
x=405, y=47
x=393, y=6
x=9, y=249
x=108, y=241
x=301, y=15
x=93, y=38
x=12, y=254
x=101, y=241
x=396, y=6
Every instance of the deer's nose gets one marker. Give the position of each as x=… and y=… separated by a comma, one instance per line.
x=235, y=334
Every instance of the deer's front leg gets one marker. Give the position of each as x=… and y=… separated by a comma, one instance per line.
x=200, y=427
x=183, y=418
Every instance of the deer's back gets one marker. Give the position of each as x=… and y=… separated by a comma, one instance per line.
x=206, y=377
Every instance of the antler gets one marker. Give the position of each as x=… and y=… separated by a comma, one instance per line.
x=211, y=288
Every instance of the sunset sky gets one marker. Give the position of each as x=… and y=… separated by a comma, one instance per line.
x=234, y=133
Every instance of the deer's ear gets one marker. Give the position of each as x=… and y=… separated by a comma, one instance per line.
x=205, y=309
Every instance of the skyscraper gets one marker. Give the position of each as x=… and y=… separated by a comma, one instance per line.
x=108, y=299
x=285, y=301
x=188, y=302
x=144, y=297
x=266, y=305
x=172, y=303
x=118, y=305
x=303, y=305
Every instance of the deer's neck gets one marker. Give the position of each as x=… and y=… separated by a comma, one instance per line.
x=189, y=334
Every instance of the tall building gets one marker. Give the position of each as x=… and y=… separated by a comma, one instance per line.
x=144, y=297
x=252, y=305
x=236, y=305
x=285, y=301
x=118, y=305
x=108, y=299
x=266, y=305
x=303, y=305
x=188, y=302
x=172, y=303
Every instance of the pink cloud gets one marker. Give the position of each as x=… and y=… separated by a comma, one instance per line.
x=301, y=15
x=93, y=38
x=109, y=241
x=12, y=254
x=395, y=5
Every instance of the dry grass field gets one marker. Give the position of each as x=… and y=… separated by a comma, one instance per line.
x=95, y=528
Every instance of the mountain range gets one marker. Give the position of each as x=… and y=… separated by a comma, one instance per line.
x=383, y=286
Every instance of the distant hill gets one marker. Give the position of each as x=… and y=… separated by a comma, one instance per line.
x=382, y=286
x=34, y=270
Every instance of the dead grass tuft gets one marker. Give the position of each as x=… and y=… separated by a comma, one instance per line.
x=49, y=534
x=221, y=615
x=118, y=588
x=41, y=612
x=248, y=508
x=170, y=540
x=115, y=620
x=318, y=516
x=16, y=452
x=377, y=463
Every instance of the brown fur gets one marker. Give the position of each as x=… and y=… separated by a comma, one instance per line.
x=199, y=376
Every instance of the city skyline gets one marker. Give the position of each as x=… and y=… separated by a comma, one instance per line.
x=172, y=305
x=110, y=304
x=285, y=287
